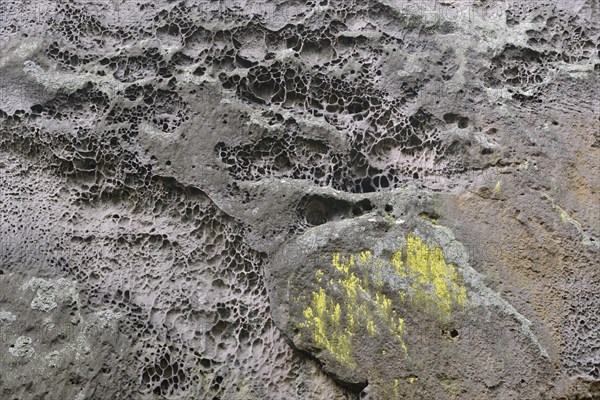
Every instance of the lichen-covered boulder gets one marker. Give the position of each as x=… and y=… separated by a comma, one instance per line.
x=389, y=302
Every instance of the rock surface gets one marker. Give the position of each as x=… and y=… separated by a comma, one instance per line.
x=284, y=200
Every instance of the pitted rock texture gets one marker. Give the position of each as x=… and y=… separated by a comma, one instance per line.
x=284, y=200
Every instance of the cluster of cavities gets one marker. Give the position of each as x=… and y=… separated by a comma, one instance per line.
x=330, y=75
x=198, y=303
x=554, y=37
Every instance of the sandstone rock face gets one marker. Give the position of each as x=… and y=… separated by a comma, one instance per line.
x=299, y=200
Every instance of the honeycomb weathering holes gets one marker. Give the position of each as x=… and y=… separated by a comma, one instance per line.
x=317, y=210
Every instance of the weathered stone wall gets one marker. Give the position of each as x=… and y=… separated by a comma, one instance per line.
x=287, y=200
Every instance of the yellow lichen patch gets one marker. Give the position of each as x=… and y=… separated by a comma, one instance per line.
x=397, y=262
x=429, y=217
x=353, y=300
x=319, y=275
x=324, y=319
x=434, y=282
x=567, y=219
x=371, y=327
x=365, y=256
x=341, y=266
x=352, y=286
x=563, y=215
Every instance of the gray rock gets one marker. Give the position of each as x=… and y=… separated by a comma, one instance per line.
x=182, y=185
